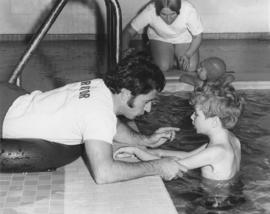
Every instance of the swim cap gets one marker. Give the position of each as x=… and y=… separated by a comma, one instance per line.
x=215, y=68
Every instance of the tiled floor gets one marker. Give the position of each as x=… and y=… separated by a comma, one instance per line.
x=71, y=189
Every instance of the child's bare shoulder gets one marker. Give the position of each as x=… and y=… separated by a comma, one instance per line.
x=216, y=150
x=234, y=140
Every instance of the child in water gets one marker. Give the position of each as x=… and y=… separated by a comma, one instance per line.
x=216, y=110
x=212, y=70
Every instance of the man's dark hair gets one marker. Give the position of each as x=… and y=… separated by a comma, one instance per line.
x=174, y=5
x=137, y=73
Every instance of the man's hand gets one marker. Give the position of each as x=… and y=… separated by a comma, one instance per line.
x=169, y=168
x=161, y=136
x=124, y=152
x=128, y=151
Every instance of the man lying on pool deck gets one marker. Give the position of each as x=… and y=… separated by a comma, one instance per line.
x=86, y=112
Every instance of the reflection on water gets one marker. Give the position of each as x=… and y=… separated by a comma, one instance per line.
x=203, y=195
x=249, y=191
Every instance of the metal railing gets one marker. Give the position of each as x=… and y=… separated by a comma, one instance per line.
x=114, y=28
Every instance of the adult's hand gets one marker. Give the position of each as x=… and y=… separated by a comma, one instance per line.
x=129, y=151
x=162, y=135
x=169, y=168
x=184, y=62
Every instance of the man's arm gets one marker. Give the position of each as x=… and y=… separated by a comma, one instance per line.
x=106, y=170
x=130, y=136
x=194, y=46
x=126, y=134
x=184, y=61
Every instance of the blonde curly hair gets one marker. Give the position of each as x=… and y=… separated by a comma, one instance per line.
x=224, y=102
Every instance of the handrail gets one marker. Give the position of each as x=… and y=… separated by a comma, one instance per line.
x=37, y=39
x=114, y=28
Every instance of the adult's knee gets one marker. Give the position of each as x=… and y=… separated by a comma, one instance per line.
x=193, y=67
x=163, y=66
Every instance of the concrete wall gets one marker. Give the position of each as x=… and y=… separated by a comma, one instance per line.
x=87, y=16
x=234, y=15
x=23, y=16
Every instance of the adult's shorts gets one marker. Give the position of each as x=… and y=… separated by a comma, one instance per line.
x=8, y=94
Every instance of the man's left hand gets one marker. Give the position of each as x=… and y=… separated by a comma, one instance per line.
x=162, y=135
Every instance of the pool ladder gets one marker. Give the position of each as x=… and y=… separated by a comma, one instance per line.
x=114, y=29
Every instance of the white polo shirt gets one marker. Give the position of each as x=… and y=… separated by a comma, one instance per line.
x=187, y=23
x=68, y=115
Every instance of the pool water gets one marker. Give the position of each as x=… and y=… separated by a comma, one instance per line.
x=249, y=191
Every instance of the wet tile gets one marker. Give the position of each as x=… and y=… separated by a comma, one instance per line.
x=29, y=193
x=44, y=182
x=41, y=210
x=30, y=187
x=44, y=187
x=12, y=204
x=45, y=177
x=4, y=183
x=18, y=178
x=31, y=182
x=9, y=211
x=3, y=193
x=17, y=183
x=43, y=193
x=15, y=188
x=13, y=199
x=4, y=177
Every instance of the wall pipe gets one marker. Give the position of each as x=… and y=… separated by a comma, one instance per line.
x=114, y=29
x=57, y=8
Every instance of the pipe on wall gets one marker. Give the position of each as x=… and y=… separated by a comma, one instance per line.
x=114, y=28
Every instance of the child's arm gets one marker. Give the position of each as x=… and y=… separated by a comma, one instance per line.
x=195, y=151
x=152, y=154
x=134, y=151
x=205, y=157
x=178, y=154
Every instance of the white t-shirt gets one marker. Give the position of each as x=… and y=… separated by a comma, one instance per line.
x=186, y=24
x=67, y=115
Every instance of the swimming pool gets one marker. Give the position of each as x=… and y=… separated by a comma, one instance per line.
x=249, y=191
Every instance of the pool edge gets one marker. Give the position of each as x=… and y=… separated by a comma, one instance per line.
x=173, y=85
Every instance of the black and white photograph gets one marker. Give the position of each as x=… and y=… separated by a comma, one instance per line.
x=134, y=106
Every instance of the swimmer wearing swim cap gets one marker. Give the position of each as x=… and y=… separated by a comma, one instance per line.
x=210, y=70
